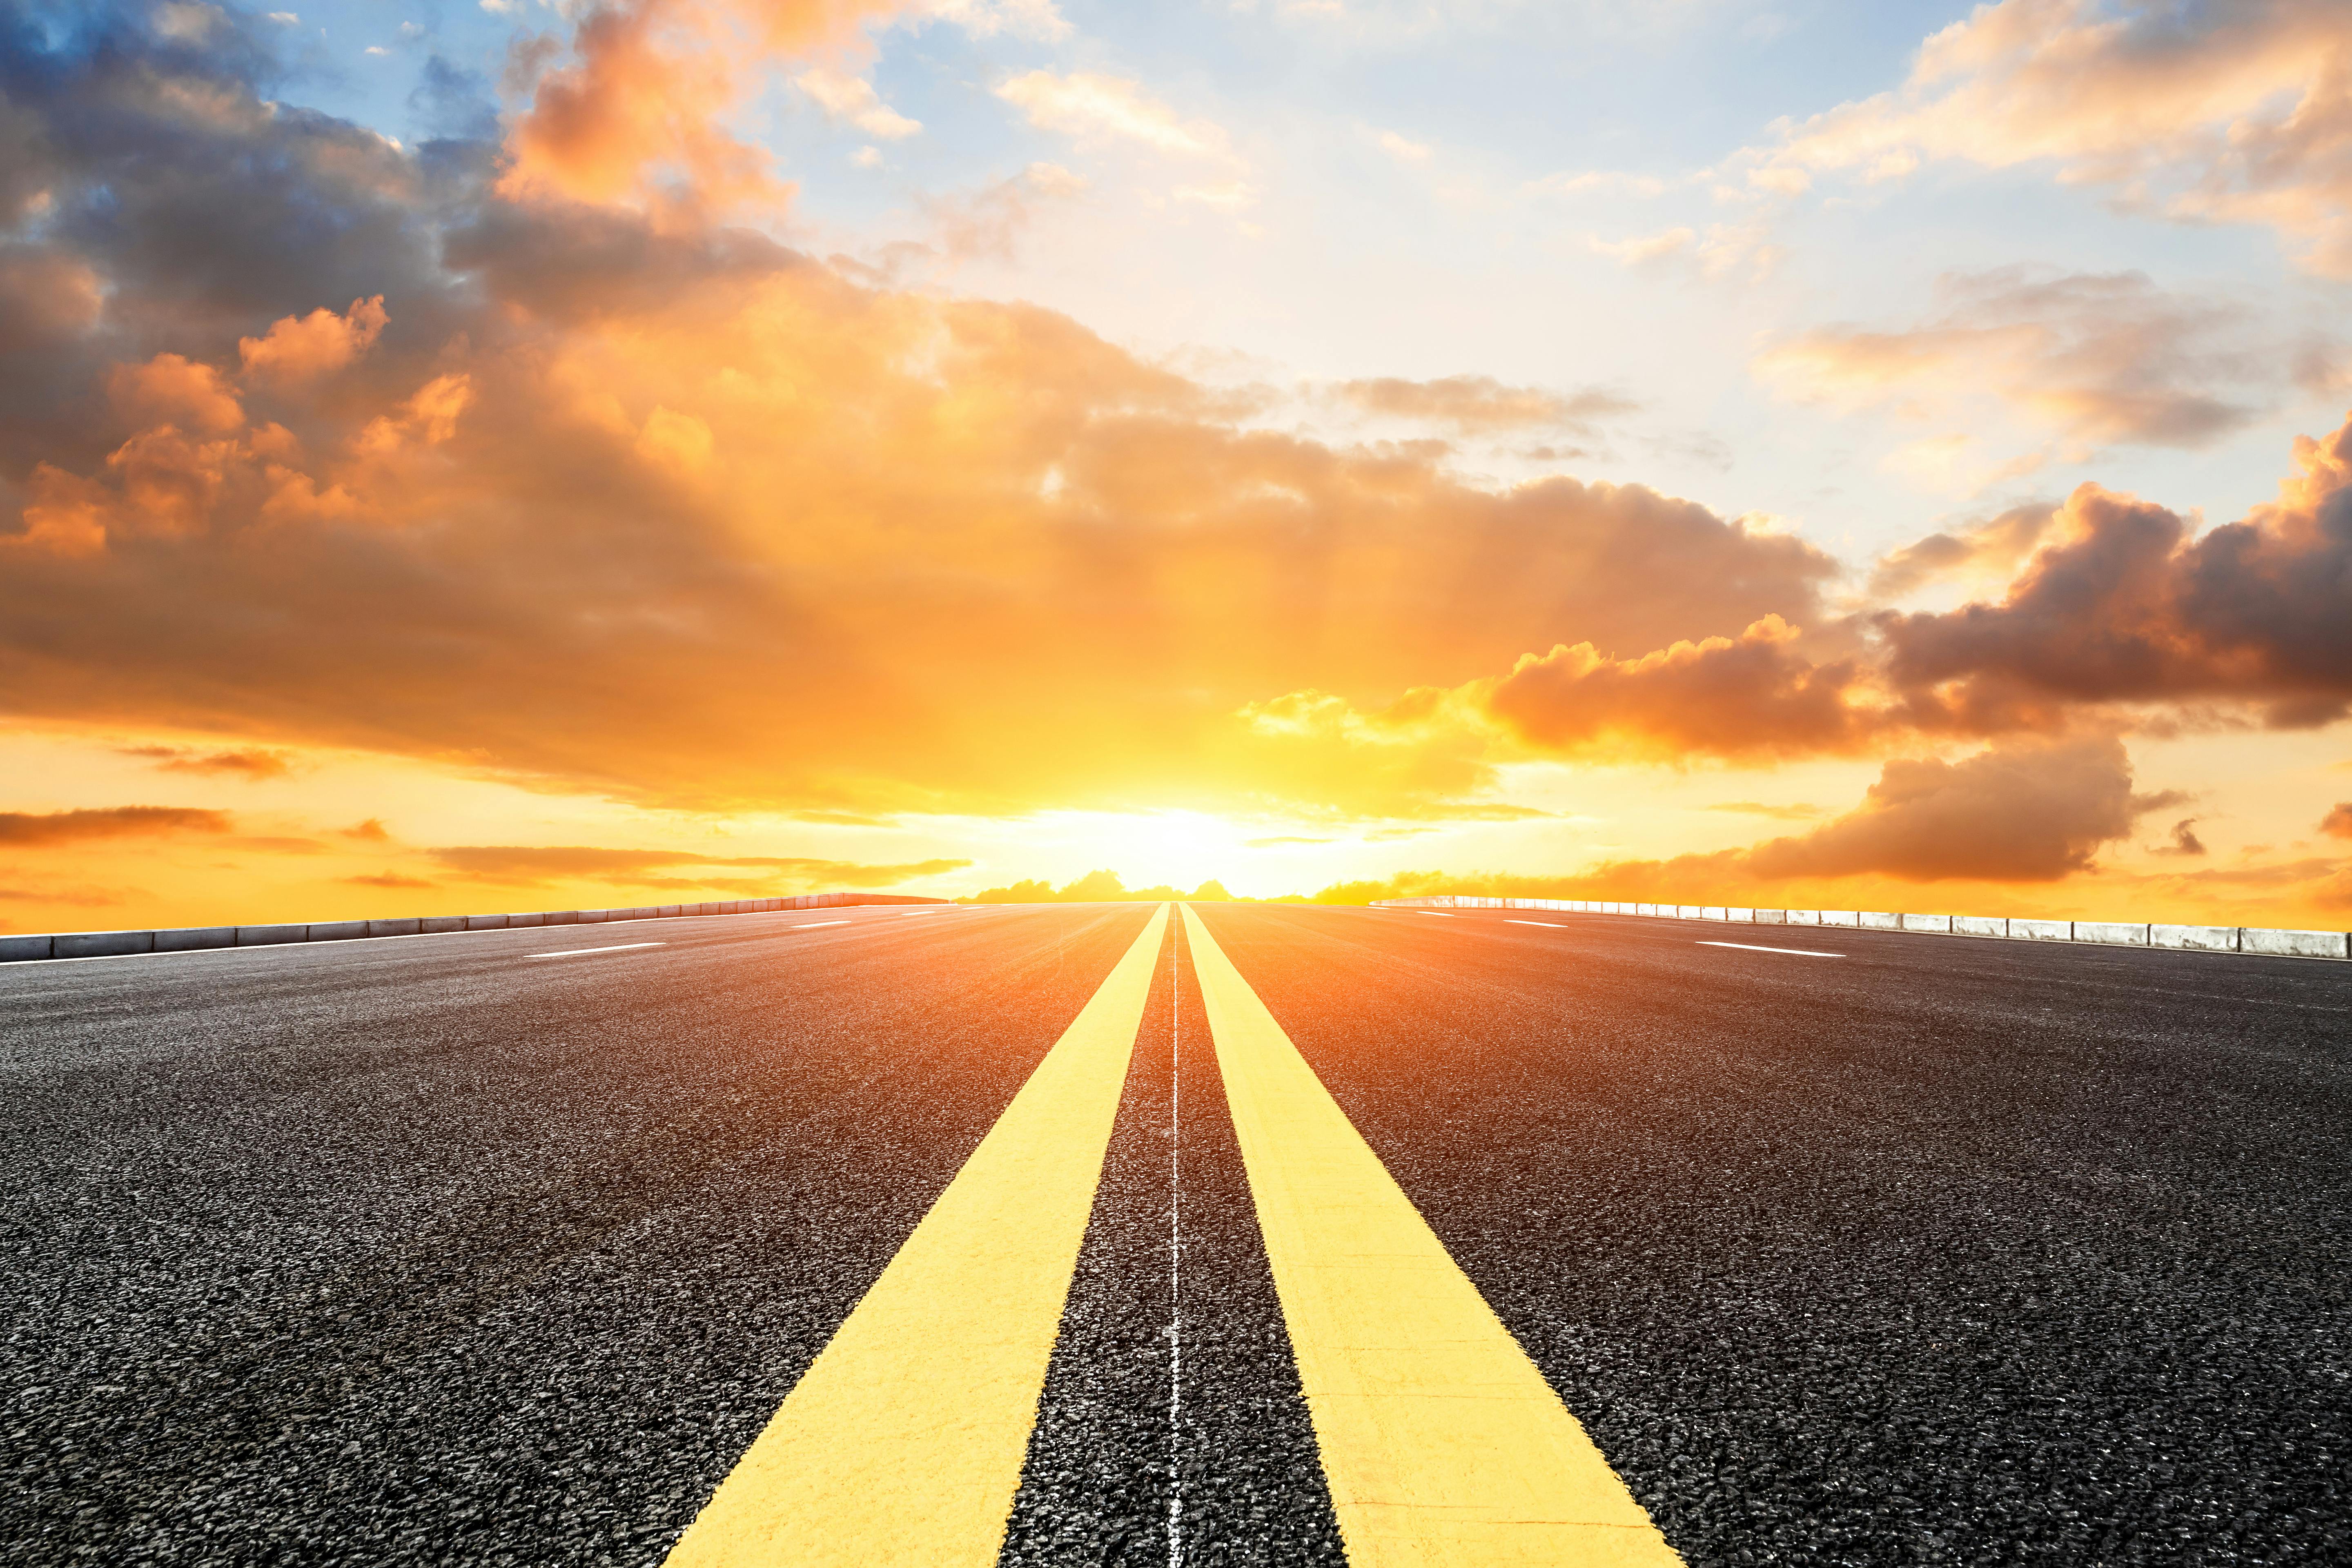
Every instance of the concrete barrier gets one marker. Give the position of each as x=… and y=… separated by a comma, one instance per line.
x=2194, y=939
x=103, y=943
x=2293, y=943
x=2110, y=933
x=196, y=939
x=37, y=946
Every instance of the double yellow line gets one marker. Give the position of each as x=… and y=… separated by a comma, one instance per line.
x=903, y=1442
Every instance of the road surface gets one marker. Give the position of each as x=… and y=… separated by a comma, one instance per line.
x=485, y=1248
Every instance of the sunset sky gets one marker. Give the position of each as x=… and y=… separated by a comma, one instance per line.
x=496, y=456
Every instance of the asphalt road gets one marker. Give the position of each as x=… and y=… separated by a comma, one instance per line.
x=425, y=1250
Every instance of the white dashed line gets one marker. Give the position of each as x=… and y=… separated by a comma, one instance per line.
x=814, y=925
x=577, y=952
x=1548, y=925
x=1441, y=914
x=1798, y=952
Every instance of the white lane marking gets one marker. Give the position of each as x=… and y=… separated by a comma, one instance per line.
x=1548, y=925
x=576, y=951
x=1751, y=947
x=815, y=925
x=1441, y=914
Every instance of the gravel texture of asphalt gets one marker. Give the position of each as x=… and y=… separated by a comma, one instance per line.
x=423, y=1251
x=1943, y=1252
x=1949, y=1251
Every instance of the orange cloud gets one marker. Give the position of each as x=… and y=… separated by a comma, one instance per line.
x=301, y=348
x=42, y=830
x=635, y=112
x=1480, y=403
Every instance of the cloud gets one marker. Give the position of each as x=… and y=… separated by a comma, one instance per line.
x=251, y=764
x=636, y=111
x=1089, y=106
x=390, y=880
x=1799, y=812
x=301, y=348
x=1721, y=251
x=988, y=18
x=43, y=830
x=372, y=831
x=853, y=98
x=2023, y=811
x=539, y=864
x=2338, y=823
x=2094, y=359
x=2126, y=607
x=1401, y=149
x=1749, y=697
x=1991, y=548
x=2203, y=113
x=1480, y=404
x=537, y=524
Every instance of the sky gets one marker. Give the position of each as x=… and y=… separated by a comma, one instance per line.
x=483, y=455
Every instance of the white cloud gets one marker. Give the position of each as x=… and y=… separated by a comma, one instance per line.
x=1229, y=195
x=2230, y=113
x=866, y=158
x=1594, y=180
x=1646, y=250
x=986, y=18
x=1401, y=150
x=377, y=49
x=285, y=18
x=1085, y=105
x=1722, y=251
x=853, y=98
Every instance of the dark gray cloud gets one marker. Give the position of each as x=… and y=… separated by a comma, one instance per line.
x=2024, y=811
x=2131, y=608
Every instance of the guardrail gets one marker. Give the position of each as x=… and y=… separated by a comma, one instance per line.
x=200, y=939
x=2261, y=940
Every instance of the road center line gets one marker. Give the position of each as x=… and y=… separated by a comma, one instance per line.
x=576, y=951
x=1548, y=925
x=816, y=925
x=1793, y=952
x=1440, y=914
x=903, y=1440
x=1440, y=1440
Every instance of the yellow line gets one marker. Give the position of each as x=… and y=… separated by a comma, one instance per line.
x=1440, y=1441
x=903, y=1440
